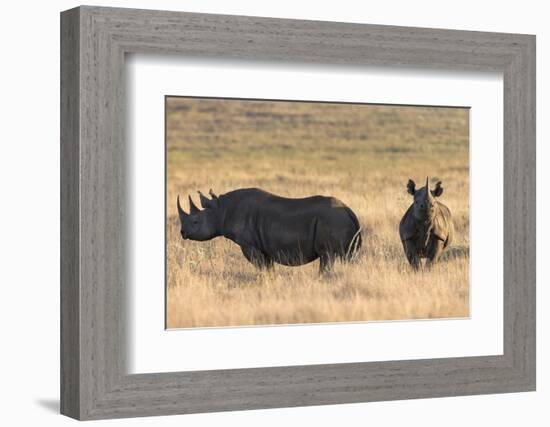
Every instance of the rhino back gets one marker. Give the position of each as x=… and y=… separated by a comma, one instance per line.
x=278, y=224
x=253, y=201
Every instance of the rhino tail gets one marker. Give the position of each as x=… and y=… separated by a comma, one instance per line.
x=354, y=245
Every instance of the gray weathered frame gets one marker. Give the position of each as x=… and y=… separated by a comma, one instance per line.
x=94, y=41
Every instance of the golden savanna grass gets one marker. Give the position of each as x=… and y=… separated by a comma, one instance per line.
x=361, y=154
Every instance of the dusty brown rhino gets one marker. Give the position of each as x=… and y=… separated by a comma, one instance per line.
x=426, y=229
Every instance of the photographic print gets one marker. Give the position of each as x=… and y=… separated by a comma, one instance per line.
x=297, y=212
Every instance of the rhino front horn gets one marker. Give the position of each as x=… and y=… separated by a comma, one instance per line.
x=181, y=212
x=428, y=192
x=192, y=208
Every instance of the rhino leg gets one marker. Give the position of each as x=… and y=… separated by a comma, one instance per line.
x=411, y=253
x=326, y=262
x=257, y=257
x=324, y=247
x=435, y=250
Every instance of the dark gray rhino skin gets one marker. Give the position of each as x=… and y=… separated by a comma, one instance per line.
x=426, y=229
x=270, y=228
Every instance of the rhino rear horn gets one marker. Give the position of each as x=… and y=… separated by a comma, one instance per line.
x=212, y=195
x=192, y=208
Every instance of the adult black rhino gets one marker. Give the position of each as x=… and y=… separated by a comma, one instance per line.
x=270, y=228
x=426, y=229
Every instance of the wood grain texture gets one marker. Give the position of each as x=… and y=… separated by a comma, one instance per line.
x=70, y=258
x=95, y=237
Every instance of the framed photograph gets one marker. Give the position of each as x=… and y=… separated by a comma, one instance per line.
x=261, y=213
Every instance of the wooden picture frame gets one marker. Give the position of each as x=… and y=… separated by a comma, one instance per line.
x=94, y=382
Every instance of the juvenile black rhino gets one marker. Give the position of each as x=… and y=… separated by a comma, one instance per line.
x=426, y=229
x=270, y=228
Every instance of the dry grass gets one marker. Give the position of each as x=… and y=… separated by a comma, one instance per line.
x=362, y=155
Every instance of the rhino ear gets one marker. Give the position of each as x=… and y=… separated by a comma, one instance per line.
x=206, y=203
x=438, y=190
x=411, y=187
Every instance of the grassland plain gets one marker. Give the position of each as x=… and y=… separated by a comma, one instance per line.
x=361, y=154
